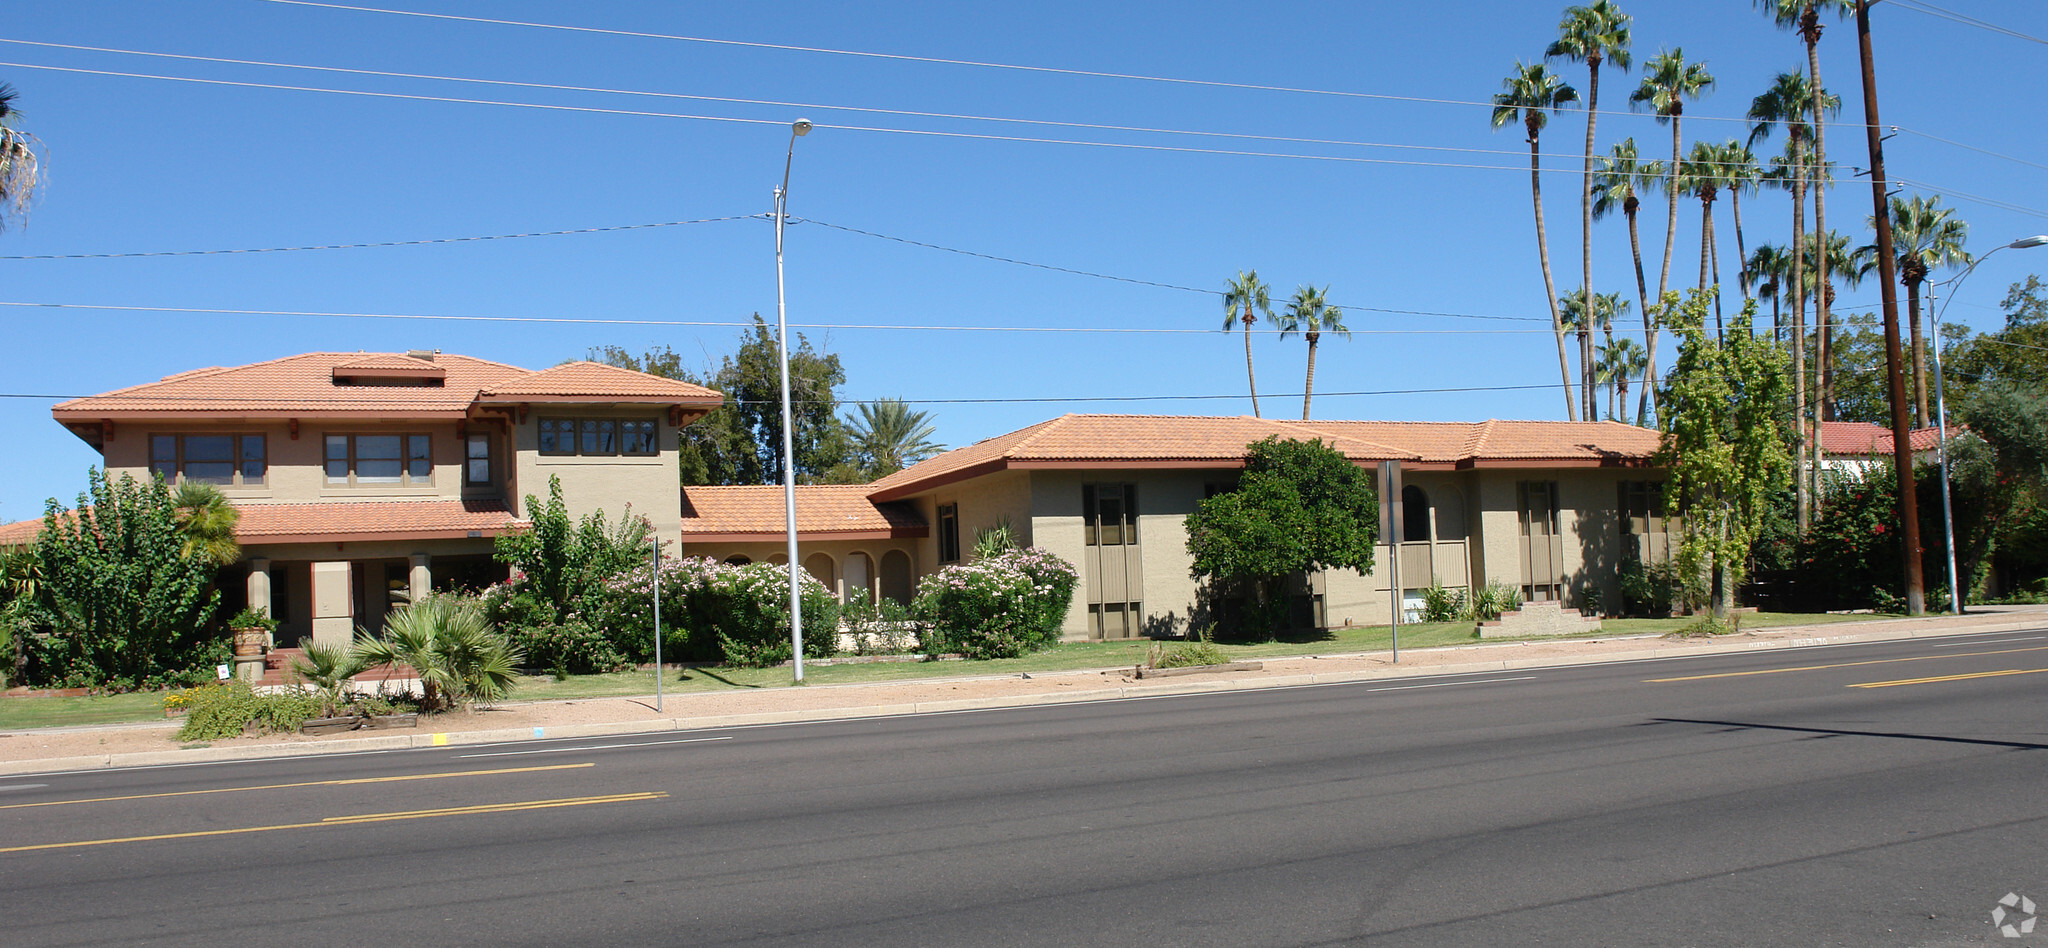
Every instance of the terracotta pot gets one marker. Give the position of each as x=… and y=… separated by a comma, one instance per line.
x=250, y=642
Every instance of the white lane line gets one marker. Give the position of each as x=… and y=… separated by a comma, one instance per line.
x=1447, y=684
x=24, y=786
x=301, y=758
x=592, y=747
x=2030, y=638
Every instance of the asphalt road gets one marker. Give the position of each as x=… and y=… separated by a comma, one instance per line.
x=1882, y=794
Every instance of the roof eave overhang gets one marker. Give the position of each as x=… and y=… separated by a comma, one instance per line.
x=279, y=539
x=705, y=403
x=1553, y=463
x=89, y=416
x=777, y=536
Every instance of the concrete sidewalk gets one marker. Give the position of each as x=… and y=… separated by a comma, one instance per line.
x=151, y=744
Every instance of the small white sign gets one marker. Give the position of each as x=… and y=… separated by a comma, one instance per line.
x=222, y=671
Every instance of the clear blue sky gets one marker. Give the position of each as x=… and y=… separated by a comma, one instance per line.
x=143, y=164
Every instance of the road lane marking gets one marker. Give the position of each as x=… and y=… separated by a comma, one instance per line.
x=1940, y=678
x=358, y=819
x=1447, y=684
x=1875, y=661
x=24, y=786
x=351, y=781
x=572, y=750
x=2030, y=638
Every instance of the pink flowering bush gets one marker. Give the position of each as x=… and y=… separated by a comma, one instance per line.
x=711, y=611
x=1000, y=606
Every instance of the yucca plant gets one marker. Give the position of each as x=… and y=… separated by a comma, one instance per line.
x=457, y=654
x=327, y=669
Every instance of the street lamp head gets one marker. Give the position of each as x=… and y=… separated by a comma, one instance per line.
x=803, y=127
x=2025, y=242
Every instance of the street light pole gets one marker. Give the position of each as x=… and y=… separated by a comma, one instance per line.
x=797, y=130
x=1948, y=519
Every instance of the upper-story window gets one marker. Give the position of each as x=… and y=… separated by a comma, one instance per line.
x=600, y=437
x=405, y=459
x=238, y=460
x=476, y=460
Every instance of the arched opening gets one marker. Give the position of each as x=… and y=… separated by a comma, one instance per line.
x=738, y=559
x=1414, y=515
x=896, y=580
x=820, y=566
x=859, y=569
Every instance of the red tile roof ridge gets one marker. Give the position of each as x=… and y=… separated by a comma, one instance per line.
x=191, y=373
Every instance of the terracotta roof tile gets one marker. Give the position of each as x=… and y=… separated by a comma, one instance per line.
x=1862, y=437
x=389, y=365
x=597, y=380
x=260, y=523
x=20, y=532
x=821, y=509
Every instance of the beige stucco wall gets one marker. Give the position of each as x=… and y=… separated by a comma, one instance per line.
x=296, y=471
x=609, y=484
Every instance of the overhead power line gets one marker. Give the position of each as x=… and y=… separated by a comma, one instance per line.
x=379, y=243
x=117, y=396
x=1921, y=6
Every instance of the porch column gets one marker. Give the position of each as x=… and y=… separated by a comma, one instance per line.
x=259, y=591
x=333, y=612
x=421, y=580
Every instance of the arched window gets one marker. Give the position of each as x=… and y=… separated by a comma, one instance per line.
x=820, y=565
x=1414, y=515
x=738, y=559
x=859, y=569
x=897, y=582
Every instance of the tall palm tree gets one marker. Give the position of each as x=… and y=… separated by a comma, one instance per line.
x=1740, y=175
x=1827, y=263
x=1786, y=103
x=1700, y=176
x=1620, y=360
x=891, y=437
x=207, y=522
x=1592, y=34
x=1606, y=306
x=1526, y=94
x=1311, y=314
x=20, y=166
x=1619, y=182
x=1668, y=81
x=1244, y=298
x=1770, y=264
x=1925, y=236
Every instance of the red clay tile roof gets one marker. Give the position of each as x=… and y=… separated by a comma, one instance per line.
x=394, y=520
x=1496, y=442
x=311, y=384
x=823, y=511
x=20, y=532
x=1118, y=441
x=597, y=381
x=1862, y=437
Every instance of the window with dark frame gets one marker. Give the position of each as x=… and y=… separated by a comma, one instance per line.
x=380, y=459
x=226, y=460
x=1109, y=514
x=949, y=533
x=476, y=460
x=599, y=437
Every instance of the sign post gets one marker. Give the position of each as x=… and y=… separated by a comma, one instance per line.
x=1390, y=530
x=655, y=563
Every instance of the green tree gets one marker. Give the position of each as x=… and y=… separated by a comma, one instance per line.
x=1311, y=315
x=1926, y=237
x=21, y=171
x=1527, y=94
x=1300, y=506
x=1768, y=266
x=2016, y=354
x=889, y=436
x=123, y=603
x=1722, y=445
x=1620, y=360
x=1606, y=306
x=1244, y=298
x=1593, y=34
x=1620, y=182
x=207, y=521
x=561, y=560
x=1668, y=81
x=1740, y=175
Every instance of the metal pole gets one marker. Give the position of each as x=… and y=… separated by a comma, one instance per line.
x=655, y=542
x=796, y=599
x=1902, y=447
x=1948, y=514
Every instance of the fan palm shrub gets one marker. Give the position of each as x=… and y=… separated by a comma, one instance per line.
x=457, y=654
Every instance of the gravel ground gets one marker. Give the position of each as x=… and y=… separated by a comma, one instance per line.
x=824, y=701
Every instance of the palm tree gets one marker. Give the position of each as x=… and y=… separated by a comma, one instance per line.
x=1620, y=360
x=891, y=436
x=1243, y=299
x=1668, y=81
x=1700, y=176
x=1770, y=264
x=1526, y=94
x=1606, y=306
x=1925, y=236
x=20, y=167
x=1591, y=34
x=1740, y=175
x=1838, y=262
x=448, y=643
x=207, y=522
x=1621, y=178
x=1786, y=103
x=1311, y=314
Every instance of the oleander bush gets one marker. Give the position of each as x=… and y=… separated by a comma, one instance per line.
x=712, y=611
x=1000, y=606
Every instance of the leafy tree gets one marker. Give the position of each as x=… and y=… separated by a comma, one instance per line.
x=561, y=560
x=207, y=521
x=1668, y=81
x=2015, y=354
x=1721, y=445
x=1526, y=94
x=122, y=604
x=888, y=436
x=1311, y=314
x=1592, y=34
x=21, y=172
x=1244, y=298
x=1299, y=506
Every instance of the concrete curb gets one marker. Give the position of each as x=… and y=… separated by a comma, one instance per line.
x=1875, y=631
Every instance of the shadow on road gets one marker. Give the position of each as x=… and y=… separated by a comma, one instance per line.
x=1837, y=732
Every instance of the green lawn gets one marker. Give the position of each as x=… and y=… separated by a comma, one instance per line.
x=24, y=713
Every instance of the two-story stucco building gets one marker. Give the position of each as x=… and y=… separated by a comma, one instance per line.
x=363, y=479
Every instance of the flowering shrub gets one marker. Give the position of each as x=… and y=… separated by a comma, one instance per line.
x=1000, y=606
x=1850, y=556
x=710, y=610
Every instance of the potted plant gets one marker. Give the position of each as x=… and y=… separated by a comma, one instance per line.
x=252, y=630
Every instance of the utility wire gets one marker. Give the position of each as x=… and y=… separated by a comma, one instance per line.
x=380, y=243
x=1983, y=151
x=872, y=401
x=1921, y=6
x=1973, y=198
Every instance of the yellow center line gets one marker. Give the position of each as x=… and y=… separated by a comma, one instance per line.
x=1929, y=681
x=360, y=819
x=1874, y=661
x=310, y=783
